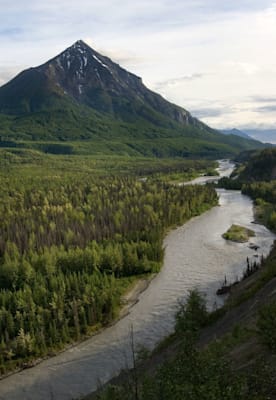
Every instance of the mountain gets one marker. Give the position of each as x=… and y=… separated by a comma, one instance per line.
x=83, y=76
x=264, y=135
x=83, y=95
x=236, y=132
x=87, y=78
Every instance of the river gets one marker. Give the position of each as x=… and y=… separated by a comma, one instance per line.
x=196, y=255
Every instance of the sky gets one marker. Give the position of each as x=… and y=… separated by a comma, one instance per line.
x=215, y=58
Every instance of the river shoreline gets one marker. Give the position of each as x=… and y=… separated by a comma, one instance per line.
x=128, y=300
x=131, y=297
x=196, y=256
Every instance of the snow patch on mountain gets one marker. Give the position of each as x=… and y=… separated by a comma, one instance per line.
x=99, y=61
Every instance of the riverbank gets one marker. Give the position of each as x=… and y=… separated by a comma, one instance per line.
x=80, y=370
x=233, y=327
x=169, y=347
x=128, y=300
x=131, y=297
x=242, y=331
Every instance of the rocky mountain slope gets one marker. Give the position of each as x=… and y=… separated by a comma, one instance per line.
x=88, y=78
x=81, y=94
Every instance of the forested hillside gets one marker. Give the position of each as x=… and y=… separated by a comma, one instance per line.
x=261, y=166
x=255, y=175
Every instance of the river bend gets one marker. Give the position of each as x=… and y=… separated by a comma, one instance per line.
x=196, y=255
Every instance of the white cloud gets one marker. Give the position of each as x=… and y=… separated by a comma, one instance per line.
x=201, y=54
x=8, y=72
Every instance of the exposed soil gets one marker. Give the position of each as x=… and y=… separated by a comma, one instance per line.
x=131, y=297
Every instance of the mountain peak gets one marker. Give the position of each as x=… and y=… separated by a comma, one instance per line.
x=80, y=44
x=81, y=93
x=89, y=78
x=81, y=59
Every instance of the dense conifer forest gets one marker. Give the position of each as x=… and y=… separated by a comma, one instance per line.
x=70, y=245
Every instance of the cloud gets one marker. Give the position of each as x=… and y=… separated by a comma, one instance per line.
x=166, y=42
x=264, y=99
x=267, y=109
x=244, y=67
x=234, y=113
x=10, y=32
x=39, y=19
x=120, y=56
x=177, y=81
x=207, y=112
x=262, y=104
x=9, y=72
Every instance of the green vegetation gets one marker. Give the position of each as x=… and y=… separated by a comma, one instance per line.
x=200, y=360
x=264, y=195
x=267, y=325
x=237, y=233
x=261, y=166
x=191, y=315
x=229, y=183
x=116, y=115
x=212, y=372
x=75, y=232
x=33, y=162
x=256, y=178
x=63, y=126
x=253, y=166
x=122, y=139
x=212, y=172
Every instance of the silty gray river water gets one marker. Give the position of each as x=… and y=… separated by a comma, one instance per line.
x=196, y=256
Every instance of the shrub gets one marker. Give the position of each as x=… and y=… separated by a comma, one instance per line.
x=267, y=326
x=192, y=314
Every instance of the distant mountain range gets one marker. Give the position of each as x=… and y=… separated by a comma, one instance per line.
x=236, y=132
x=264, y=135
x=82, y=95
